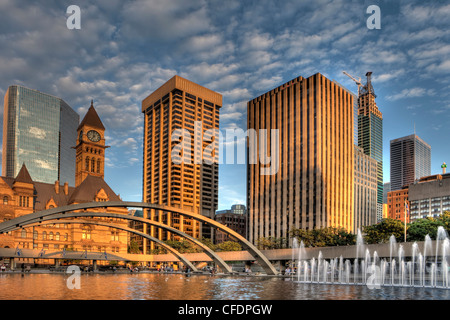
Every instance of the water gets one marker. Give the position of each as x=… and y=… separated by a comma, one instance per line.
x=419, y=269
x=149, y=286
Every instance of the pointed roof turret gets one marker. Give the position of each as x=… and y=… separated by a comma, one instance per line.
x=92, y=119
x=24, y=175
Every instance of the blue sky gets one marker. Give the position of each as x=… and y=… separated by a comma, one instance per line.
x=127, y=49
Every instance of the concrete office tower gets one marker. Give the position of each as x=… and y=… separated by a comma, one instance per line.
x=410, y=160
x=180, y=181
x=370, y=134
x=39, y=131
x=313, y=187
x=366, y=188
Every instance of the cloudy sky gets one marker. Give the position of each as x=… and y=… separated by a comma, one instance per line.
x=127, y=49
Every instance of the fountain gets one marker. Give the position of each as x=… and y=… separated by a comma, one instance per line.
x=397, y=269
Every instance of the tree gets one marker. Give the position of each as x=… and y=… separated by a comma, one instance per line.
x=418, y=229
x=381, y=232
x=133, y=247
x=228, y=246
x=324, y=237
x=271, y=243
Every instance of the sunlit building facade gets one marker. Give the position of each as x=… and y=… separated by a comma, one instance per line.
x=177, y=115
x=313, y=187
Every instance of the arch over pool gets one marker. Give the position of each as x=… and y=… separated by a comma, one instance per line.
x=24, y=220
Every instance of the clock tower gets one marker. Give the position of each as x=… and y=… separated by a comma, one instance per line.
x=90, y=148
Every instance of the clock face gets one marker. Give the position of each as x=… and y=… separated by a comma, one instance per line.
x=93, y=135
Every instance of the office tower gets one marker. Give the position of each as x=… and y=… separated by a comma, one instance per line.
x=313, y=186
x=366, y=188
x=180, y=109
x=370, y=134
x=39, y=130
x=410, y=160
x=235, y=219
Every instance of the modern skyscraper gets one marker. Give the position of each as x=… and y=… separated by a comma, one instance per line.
x=313, y=187
x=410, y=160
x=370, y=133
x=366, y=188
x=39, y=131
x=180, y=109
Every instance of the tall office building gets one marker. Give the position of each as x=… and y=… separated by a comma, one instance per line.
x=366, y=187
x=410, y=160
x=313, y=186
x=39, y=131
x=370, y=134
x=180, y=109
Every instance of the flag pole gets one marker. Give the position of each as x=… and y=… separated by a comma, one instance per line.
x=406, y=207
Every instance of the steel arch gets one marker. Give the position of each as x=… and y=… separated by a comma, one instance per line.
x=210, y=253
x=161, y=243
x=21, y=221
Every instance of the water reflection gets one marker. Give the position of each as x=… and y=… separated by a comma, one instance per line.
x=179, y=287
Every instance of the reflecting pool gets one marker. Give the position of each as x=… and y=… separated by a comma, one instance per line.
x=156, y=286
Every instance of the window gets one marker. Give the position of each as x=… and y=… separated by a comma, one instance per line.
x=5, y=200
x=87, y=164
x=24, y=233
x=93, y=165
x=50, y=236
x=86, y=235
x=35, y=235
x=98, y=166
x=57, y=236
x=44, y=235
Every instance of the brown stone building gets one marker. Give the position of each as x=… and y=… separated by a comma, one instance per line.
x=396, y=205
x=21, y=195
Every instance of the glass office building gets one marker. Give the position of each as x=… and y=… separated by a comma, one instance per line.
x=370, y=134
x=410, y=160
x=39, y=130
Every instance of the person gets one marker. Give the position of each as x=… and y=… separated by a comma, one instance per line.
x=3, y=267
x=23, y=267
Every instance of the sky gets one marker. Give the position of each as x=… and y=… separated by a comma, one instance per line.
x=125, y=50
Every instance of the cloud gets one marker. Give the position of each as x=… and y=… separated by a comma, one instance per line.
x=411, y=93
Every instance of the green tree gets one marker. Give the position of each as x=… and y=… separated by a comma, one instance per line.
x=444, y=219
x=133, y=247
x=228, y=246
x=324, y=237
x=381, y=232
x=271, y=243
x=418, y=229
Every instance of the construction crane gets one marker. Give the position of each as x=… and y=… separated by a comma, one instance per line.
x=358, y=82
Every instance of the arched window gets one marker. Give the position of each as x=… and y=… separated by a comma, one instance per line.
x=35, y=235
x=98, y=166
x=50, y=236
x=5, y=200
x=24, y=233
x=66, y=237
x=87, y=163
x=44, y=235
x=57, y=236
x=93, y=165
